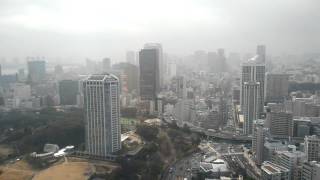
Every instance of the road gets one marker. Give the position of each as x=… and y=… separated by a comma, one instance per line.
x=225, y=135
x=183, y=168
x=239, y=165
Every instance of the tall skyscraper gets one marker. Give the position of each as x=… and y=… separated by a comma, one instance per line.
x=253, y=70
x=36, y=70
x=312, y=148
x=161, y=68
x=132, y=73
x=149, y=74
x=261, y=52
x=258, y=139
x=250, y=108
x=277, y=87
x=102, y=114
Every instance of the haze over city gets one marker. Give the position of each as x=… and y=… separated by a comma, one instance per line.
x=93, y=28
x=159, y=89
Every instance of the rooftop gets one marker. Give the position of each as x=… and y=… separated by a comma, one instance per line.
x=271, y=169
x=253, y=61
x=218, y=165
x=101, y=77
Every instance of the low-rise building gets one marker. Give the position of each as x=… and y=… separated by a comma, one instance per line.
x=271, y=171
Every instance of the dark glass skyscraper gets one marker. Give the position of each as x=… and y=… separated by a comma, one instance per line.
x=149, y=74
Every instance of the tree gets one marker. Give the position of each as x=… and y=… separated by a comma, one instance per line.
x=165, y=146
x=195, y=139
x=148, y=133
x=174, y=125
x=186, y=129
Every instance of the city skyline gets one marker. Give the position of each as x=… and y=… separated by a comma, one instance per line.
x=160, y=90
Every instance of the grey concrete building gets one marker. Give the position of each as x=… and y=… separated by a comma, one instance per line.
x=312, y=147
x=36, y=70
x=280, y=124
x=277, y=86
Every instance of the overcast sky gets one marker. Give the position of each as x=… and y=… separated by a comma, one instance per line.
x=94, y=28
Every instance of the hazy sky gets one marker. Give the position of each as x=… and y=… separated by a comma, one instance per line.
x=94, y=28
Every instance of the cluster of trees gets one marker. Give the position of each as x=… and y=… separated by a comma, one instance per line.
x=147, y=164
x=161, y=145
x=183, y=139
x=30, y=130
x=148, y=133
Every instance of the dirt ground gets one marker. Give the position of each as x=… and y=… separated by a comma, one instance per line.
x=20, y=170
x=5, y=150
x=66, y=170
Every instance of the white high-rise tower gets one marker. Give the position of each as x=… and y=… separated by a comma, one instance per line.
x=253, y=71
x=102, y=114
x=250, y=106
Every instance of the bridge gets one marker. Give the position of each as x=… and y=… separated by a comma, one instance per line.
x=227, y=136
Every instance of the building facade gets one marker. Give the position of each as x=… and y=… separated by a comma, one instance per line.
x=280, y=124
x=261, y=52
x=291, y=160
x=250, y=107
x=253, y=71
x=271, y=171
x=258, y=139
x=277, y=86
x=161, y=64
x=149, y=74
x=312, y=147
x=311, y=171
x=36, y=70
x=102, y=114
